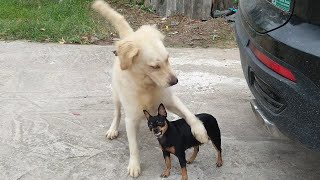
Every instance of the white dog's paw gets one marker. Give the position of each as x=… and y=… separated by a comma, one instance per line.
x=199, y=132
x=112, y=134
x=134, y=168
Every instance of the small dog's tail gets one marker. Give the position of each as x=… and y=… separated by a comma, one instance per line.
x=116, y=19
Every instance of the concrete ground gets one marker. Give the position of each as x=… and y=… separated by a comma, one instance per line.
x=55, y=104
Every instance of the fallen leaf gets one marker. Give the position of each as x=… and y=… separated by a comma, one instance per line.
x=214, y=37
x=84, y=38
x=42, y=29
x=93, y=39
x=175, y=23
x=76, y=114
x=62, y=41
x=173, y=33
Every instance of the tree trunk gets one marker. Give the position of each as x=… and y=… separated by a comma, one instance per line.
x=196, y=9
x=221, y=4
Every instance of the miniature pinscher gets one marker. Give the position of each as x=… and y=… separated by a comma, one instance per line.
x=175, y=137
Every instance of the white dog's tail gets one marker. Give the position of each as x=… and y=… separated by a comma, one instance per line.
x=116, y=19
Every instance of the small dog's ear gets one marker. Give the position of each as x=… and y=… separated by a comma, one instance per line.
x=162, y=110
x=127, y=51
x=147, y=114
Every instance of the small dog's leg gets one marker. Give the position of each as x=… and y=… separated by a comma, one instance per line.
x=217, y=146
x=219, y=160
x=112, y=133
x=134, y=162
x=167, y=158
x=194, y=154
x=175, y=105
x=184, y=173
x=183, y=163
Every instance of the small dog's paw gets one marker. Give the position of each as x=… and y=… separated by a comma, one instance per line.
x=163, y=176
x=199, y=132
x=219, y=163
x=112, y=134
x=184, y=178
x=189, y=162
x=134, y=169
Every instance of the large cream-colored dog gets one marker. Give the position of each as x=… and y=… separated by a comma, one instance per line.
x=140, y=80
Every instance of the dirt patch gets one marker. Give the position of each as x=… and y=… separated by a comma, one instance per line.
x=180, y=31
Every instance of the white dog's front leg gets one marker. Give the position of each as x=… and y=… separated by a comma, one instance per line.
x=175, y=105
x=134, y=162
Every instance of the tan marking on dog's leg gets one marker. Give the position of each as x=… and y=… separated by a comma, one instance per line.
x=168, y=167
x=219, y=162
x=184, y=173
x=194, y=154
x=172, y=150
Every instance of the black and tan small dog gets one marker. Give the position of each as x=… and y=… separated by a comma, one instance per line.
x=175, y=137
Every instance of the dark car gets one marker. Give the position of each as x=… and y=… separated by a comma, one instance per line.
x=279, y=42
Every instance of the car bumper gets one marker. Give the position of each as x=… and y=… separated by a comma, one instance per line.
x=270, y=126
x=292, y=107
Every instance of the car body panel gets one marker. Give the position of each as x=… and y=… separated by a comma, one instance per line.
x=263, y=16
x=298, y=114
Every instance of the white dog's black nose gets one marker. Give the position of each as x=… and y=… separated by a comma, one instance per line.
x=173, y=80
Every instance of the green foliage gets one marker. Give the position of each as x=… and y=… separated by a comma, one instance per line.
x=49, y=20
x=140, y=5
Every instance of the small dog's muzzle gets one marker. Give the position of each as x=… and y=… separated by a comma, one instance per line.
x=156, y=131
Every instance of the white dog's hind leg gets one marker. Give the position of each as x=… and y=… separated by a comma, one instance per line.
x=112, y=133
x=175, y=105
x=132, y=126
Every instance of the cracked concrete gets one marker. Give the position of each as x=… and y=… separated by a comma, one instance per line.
x=55, y=104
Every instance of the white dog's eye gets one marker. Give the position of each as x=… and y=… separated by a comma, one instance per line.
x=155, y=67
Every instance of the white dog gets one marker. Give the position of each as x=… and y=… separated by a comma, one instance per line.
x=140, y=80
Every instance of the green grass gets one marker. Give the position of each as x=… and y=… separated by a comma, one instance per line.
x=51, y=21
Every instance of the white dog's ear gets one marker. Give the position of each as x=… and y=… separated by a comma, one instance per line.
x=147, y=114
x=162, y=110
x=126, y=50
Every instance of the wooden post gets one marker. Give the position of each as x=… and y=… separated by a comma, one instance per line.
x=196, y=9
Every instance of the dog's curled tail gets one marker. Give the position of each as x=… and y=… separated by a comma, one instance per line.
x=116, y=19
